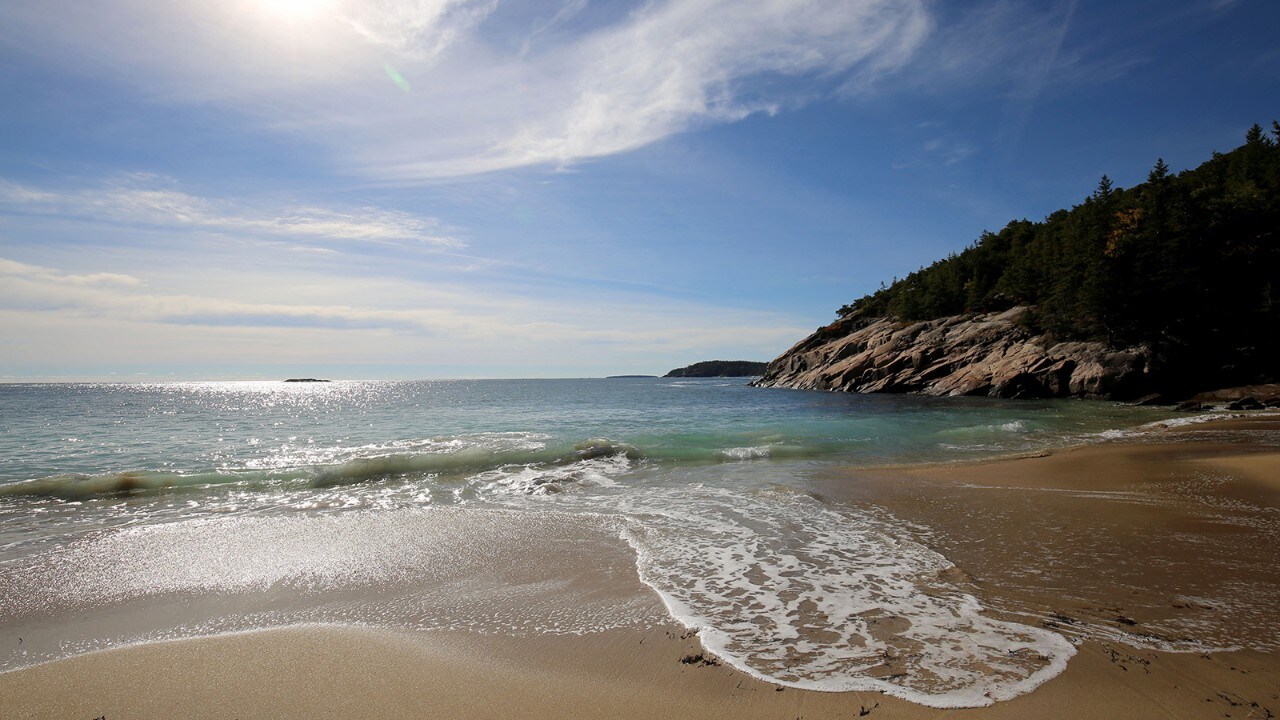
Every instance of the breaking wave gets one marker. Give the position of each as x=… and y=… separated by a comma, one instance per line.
x=514, y=462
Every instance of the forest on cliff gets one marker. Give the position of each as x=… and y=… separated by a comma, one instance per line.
x=1186, y=263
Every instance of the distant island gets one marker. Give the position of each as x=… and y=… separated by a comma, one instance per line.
x=1162, y=290
x=720, y=368
x=628, y=377
x=305, y=380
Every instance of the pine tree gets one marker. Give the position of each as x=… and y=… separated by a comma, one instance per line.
x=1104, y=189
x=1254, y=136
x=1159, y=172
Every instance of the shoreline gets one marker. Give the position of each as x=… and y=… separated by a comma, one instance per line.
x=344, y=671
x=1145, y=434
x=1112, y=545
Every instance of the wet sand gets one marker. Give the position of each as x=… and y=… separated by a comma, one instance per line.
x=1170, y=536
x=1123, y=547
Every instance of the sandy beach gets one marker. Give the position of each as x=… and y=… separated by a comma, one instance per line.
x=1118, y=546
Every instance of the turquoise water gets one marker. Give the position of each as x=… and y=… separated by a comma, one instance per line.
x=192, y=432
x=137, y=512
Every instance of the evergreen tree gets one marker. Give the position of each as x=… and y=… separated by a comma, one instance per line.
x=1159, y=172
x=1185, y=263
x=1254, y=136
x=1104, y=189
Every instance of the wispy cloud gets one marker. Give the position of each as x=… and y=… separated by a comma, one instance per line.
x=1024, y=52
x=936, y=145
x=1024, y=98
x=12, y=269
x=478, y=105
x=147, y=200
x=416, y=29
x=349, y=319
x=679, y=65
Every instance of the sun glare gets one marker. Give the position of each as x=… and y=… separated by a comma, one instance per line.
x=296, y=10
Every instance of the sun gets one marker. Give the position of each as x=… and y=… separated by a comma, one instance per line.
x=296, y=10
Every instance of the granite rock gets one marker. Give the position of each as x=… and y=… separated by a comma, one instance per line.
x=991, y=354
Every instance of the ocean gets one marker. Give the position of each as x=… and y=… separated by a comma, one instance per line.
x=140, y=512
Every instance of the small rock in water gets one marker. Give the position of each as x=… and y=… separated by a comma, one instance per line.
x=1246, y=403
x=1152, y=399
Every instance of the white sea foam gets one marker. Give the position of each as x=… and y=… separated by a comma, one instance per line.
x=801, y=594
x=1200, y=419
x=1012, y=426
x=754, y=452
x=1175, y=422
x=544, y=478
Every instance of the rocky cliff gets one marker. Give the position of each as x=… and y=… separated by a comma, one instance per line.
x=993, y=355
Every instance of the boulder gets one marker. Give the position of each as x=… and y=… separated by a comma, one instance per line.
x=1246, y=403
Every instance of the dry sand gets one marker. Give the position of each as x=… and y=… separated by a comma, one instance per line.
x=1115, y=545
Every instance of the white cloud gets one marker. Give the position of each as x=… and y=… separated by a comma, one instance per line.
x=13, y=269
x=684, y=63
x=476, y=103
x=145, y=200
x=417, y=29
x=344, y=319
x=672, y=67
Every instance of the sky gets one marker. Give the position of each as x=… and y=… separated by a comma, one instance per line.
x=257, y=189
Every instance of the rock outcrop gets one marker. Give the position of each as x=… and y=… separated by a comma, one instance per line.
x=993, y=355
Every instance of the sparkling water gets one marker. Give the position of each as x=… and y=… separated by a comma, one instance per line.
x=138, y=512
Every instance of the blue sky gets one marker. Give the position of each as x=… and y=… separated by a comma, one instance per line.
x=488, y=188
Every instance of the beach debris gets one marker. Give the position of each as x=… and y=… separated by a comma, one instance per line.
x=1124, y=660
x=1256, y=710
x=701, y=659
x=1058, y=620
x=864, y=711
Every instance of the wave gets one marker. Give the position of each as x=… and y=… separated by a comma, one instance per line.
x=598, y=471
x=748, y=453
x=81, y=487
x=1012, y=427
x=454, y=460
x=384, y=467
x=503, y=462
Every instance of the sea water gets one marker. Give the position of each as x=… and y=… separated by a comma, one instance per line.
x=138, y=512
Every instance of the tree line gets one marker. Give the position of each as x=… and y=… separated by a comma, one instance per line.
x=1186, y=263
